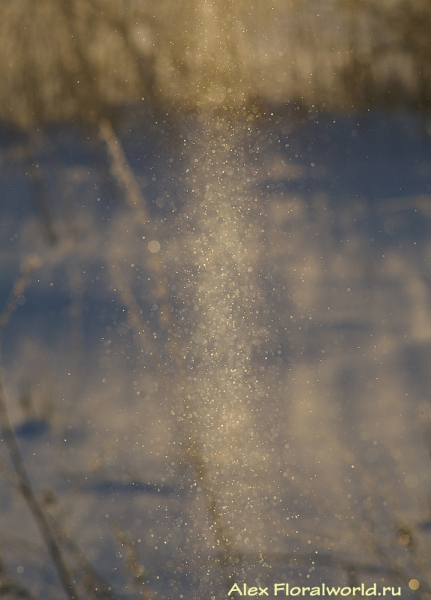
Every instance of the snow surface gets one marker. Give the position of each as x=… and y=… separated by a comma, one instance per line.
x=298, y=260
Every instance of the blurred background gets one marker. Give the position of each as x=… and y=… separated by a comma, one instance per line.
x=219, y=371
x=64, y=61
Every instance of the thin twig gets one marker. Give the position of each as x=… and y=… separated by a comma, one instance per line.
x=370, y=539
x=8, y=474
x=14, y=452
x=94, y=582
x=8, y=585
x=132, y=563
x=30, y=265
x=42, y=204
x=125, y=177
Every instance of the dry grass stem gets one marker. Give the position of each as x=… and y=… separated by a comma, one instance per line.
x=132, y=563
x=228, y=555
x=14, y=452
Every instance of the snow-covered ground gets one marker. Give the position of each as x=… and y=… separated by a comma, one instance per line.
x=298, y=264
